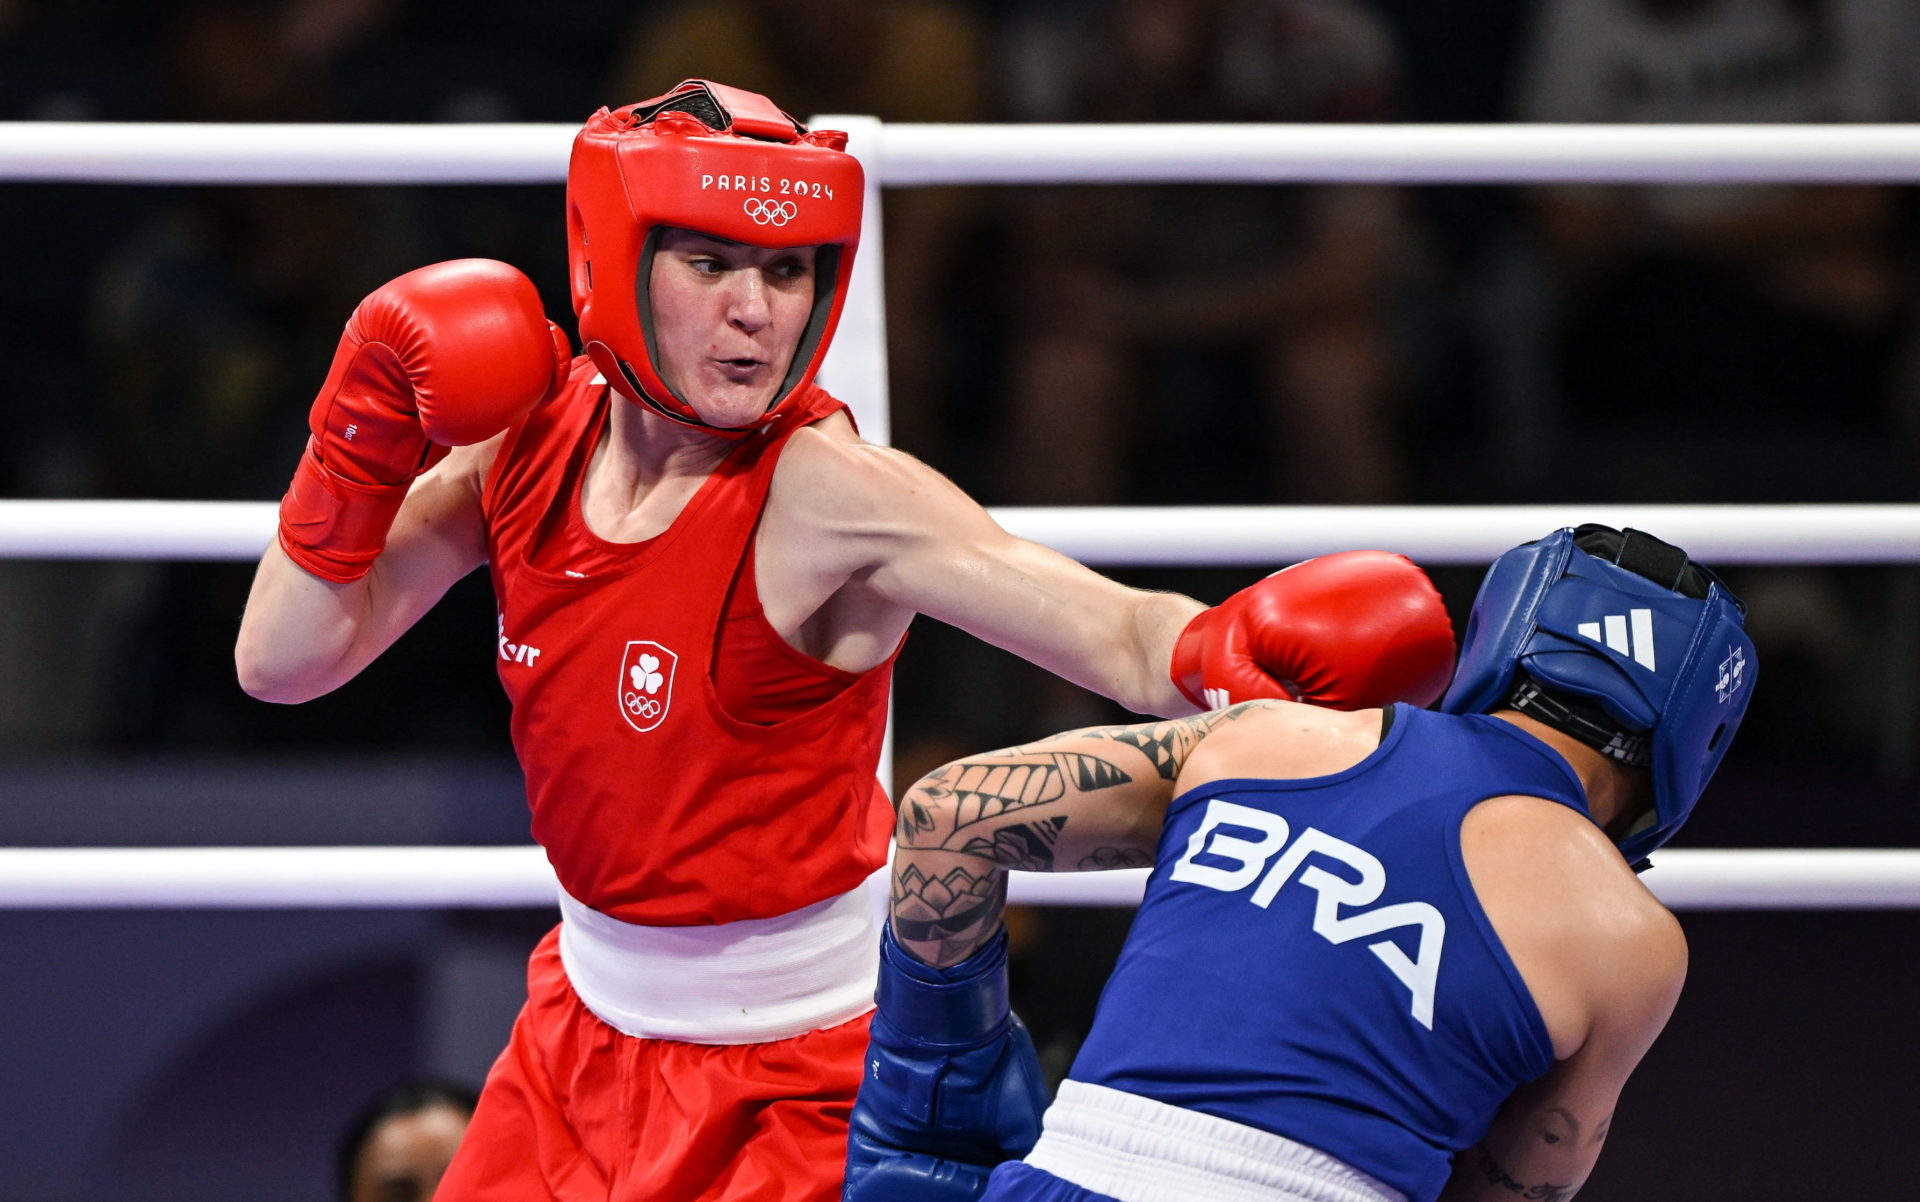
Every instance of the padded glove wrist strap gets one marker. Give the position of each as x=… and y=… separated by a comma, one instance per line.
x=963, y=1006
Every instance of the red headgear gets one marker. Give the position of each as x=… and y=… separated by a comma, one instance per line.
x=715, y=160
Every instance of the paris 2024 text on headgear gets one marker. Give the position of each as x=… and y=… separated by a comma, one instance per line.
x=715, y=160
x=1621, y=641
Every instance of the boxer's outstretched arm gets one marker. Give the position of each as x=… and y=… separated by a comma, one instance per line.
x=302, y=636
x=1350, y=631
x=1081, y=801
x=913, y=540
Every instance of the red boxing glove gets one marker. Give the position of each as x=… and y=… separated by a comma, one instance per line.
x=1349, y=631
x=448, y=355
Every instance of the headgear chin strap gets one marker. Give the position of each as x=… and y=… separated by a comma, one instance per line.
x=1621, y=641
x=715, y=160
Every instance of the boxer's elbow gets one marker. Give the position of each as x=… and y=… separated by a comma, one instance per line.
x=260, y=682
x=266, y=674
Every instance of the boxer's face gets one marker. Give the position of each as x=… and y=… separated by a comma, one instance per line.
x=726, y=321
x=406, y=1154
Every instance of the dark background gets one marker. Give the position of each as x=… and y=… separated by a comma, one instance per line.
x=1090, y=345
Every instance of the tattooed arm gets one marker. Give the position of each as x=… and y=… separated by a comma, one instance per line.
x=1546, y=1138
x=1087, y=799
x=1537, y=1150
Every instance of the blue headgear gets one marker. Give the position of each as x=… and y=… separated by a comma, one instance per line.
x=1621, y=641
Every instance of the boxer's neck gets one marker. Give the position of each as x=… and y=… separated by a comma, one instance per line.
x=1615, y=794
x=643, y=471
x=643, y=447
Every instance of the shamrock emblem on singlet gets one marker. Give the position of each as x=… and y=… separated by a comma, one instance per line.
x=646, y=684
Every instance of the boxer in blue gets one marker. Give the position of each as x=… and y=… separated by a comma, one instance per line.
x=1383, y=955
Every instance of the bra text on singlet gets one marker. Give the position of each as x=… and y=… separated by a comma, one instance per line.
x=1231, y=851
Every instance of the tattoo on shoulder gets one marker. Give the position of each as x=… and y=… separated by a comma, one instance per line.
x=1496, y=1174
x=1103, y=858
x=1167, y=744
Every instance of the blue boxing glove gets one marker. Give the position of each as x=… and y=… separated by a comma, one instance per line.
x=952, y=1085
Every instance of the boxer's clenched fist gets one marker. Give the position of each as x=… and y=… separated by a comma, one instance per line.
x=448, y=355
x=1348, y=631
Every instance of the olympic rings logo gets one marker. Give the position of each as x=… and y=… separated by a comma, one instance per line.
x=770, y=212
x=642, y=707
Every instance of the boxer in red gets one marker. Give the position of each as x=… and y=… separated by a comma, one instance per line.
x=683, y=515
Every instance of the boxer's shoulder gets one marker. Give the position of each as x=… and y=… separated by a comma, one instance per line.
x=831, y=480
x=1586, y=934
x=1555, y=853
x=1281, y=740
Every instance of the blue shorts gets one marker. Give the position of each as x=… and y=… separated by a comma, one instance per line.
x=1017, y=1181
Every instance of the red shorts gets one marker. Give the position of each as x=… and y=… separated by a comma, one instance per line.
x=575, y=1110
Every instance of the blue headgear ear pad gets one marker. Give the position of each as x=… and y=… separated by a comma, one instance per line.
x=1501, y=621
x=1651, y=661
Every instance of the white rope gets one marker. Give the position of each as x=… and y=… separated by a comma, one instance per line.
x=107, y=152
x=237, y=530
x=505, y=877
x=1137, y=535
x=1405, y=154
x=1442, y=534
x=909, y=155
x=274, y=877
x=1773, y=879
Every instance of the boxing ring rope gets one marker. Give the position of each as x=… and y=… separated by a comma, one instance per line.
x=908, y=155
x=505, y=877
x=1164, y=536
x=925, y=155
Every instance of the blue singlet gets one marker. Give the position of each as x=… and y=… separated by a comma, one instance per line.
x=1311, y=960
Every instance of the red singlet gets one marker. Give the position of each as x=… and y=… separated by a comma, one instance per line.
x=658, y=803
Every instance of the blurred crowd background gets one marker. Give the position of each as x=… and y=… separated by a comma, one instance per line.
x=1172, y=344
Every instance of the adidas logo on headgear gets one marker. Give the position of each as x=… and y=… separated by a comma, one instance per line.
x=1630, y=633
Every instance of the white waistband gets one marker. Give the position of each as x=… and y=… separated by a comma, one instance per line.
x=1139, y=1150
x=752, y=981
